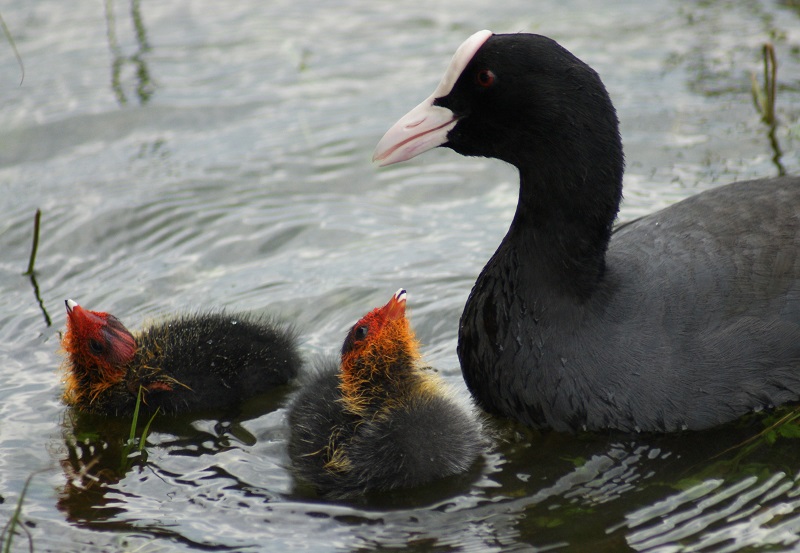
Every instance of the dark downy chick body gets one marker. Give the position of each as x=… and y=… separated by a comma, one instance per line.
x=379, y=421
x=189, y=363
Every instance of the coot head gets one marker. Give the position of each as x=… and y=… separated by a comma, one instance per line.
x=379, y=356
x=521, y=98
x=98, y=348
x=525, y=99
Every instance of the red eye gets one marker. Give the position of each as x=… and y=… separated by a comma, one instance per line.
x=485, y=78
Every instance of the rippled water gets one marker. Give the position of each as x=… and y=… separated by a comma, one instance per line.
x=196, y=154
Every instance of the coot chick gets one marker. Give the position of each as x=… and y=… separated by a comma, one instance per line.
x=686, y=318
x=192, y=362
x=380, y=421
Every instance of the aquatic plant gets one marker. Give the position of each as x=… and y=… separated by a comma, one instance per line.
x=36, y=224
x=13, y=44
x=764, y=96
x=126, y=461
x=10, y=528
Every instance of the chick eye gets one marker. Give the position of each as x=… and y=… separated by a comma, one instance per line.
x=485, y=78
x=95, y=346
x=361, y=333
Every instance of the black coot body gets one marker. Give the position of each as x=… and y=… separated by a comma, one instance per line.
x=683, y=319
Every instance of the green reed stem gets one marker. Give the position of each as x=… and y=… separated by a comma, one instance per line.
x=7, y=535
x=764, y=96
x=132, y=434
x=36, y=223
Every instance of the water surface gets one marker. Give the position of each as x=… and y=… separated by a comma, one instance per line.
x=200, y=154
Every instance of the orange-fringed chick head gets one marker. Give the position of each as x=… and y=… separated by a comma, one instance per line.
x=380, y=358
x=99, y=349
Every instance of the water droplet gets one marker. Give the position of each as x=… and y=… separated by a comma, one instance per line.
x=234, y=322
x=210, y=342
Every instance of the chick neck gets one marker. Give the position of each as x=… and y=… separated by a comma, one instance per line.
x=384, y=373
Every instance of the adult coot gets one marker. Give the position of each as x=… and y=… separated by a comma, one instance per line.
x=380, y=421
x=686, y=318
x=200, y=361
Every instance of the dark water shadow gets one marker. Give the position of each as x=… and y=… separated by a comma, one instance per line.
x=534, y=491
x=98, y=462
x=639, y=493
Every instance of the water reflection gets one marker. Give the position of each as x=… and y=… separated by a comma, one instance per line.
x=108, y=475
x=699, y=490
x=721, y=491
x=752, y=512
x=144, y=84
x=92, y=465
x=764, y=98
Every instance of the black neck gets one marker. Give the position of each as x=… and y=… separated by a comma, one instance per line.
x=563, y=224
